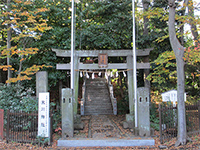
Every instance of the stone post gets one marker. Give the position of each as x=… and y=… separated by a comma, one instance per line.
x=41, y=82
x=130, y=84
x=76, y=84
x=60, y=92
x=146, y=73
x=77, y=117
x=143, y=111
x=67, y=113
x=129, y=123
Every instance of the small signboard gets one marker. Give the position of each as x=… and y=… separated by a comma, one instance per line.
x=171, y=96
x=43, y=115
x=103, y=60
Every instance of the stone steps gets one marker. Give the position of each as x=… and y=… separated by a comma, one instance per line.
x=96, y=107
x=97, y=97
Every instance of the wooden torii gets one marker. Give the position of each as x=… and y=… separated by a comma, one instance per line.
x=110, y=53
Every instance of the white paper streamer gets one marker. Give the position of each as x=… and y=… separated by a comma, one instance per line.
x=81, y=74
x=117, y=74
x=124, y=74
x=111, y=74
x=87, y=75
x=99, y=74
x=106, y=75
x=92, y=75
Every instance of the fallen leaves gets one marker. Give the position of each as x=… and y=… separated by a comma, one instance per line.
x=195, y=144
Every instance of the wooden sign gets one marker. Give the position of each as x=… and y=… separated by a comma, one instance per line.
x=103, y=60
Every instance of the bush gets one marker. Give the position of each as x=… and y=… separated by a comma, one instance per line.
x=154, y=116
x=17, y=98
x=56, y=118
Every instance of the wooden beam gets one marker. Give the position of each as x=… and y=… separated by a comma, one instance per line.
x=110, y=66
x=94, y=53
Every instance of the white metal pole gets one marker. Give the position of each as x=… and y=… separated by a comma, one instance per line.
x=134, y=66
x=72, y=46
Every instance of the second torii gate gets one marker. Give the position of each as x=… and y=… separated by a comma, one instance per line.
x=110, y=53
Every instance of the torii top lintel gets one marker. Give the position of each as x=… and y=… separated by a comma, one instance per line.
x=94, y=53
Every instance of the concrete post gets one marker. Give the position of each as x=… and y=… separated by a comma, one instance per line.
x=143, y=111
x=41, y=82
x=67, y=113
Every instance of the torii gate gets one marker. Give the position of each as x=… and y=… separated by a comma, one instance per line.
x=131, y=64
x=110, y=53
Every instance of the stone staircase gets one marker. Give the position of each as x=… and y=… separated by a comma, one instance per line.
x=97, y=99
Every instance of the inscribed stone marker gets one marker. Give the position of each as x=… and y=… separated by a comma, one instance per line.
x=67, y=114
x=143, y=111
x=41, y=82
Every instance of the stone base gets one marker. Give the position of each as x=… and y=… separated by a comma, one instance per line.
x=105, y=142
x=137, y=132
x=130, y=118
x=79, y=126
x=129, y=123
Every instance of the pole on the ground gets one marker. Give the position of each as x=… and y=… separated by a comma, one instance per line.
x=134, y=66
x=72, y=46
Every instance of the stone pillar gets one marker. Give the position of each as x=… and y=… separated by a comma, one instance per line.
x=76, y=83
x=129, y=123
x=130, y=84
x=60, y=92
x=143, y=111
x=146, y=73
x=41, y=82
x=67, y=113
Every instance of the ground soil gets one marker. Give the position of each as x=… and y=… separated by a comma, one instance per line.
x=194, y=144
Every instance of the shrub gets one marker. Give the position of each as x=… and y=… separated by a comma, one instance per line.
x=17, y=98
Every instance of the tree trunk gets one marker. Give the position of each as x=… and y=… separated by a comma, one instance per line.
x=8, y=42
x=179, y=53
x=193, y=23
x=146, y=4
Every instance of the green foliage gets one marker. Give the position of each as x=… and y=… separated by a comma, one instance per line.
x=101, y=24
x=27, y=25
x=154, y=116
x=123, y=105
x=42, y=141
x=56, y=115
x=121, y=93
x=16, y=97
x=163, y=75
